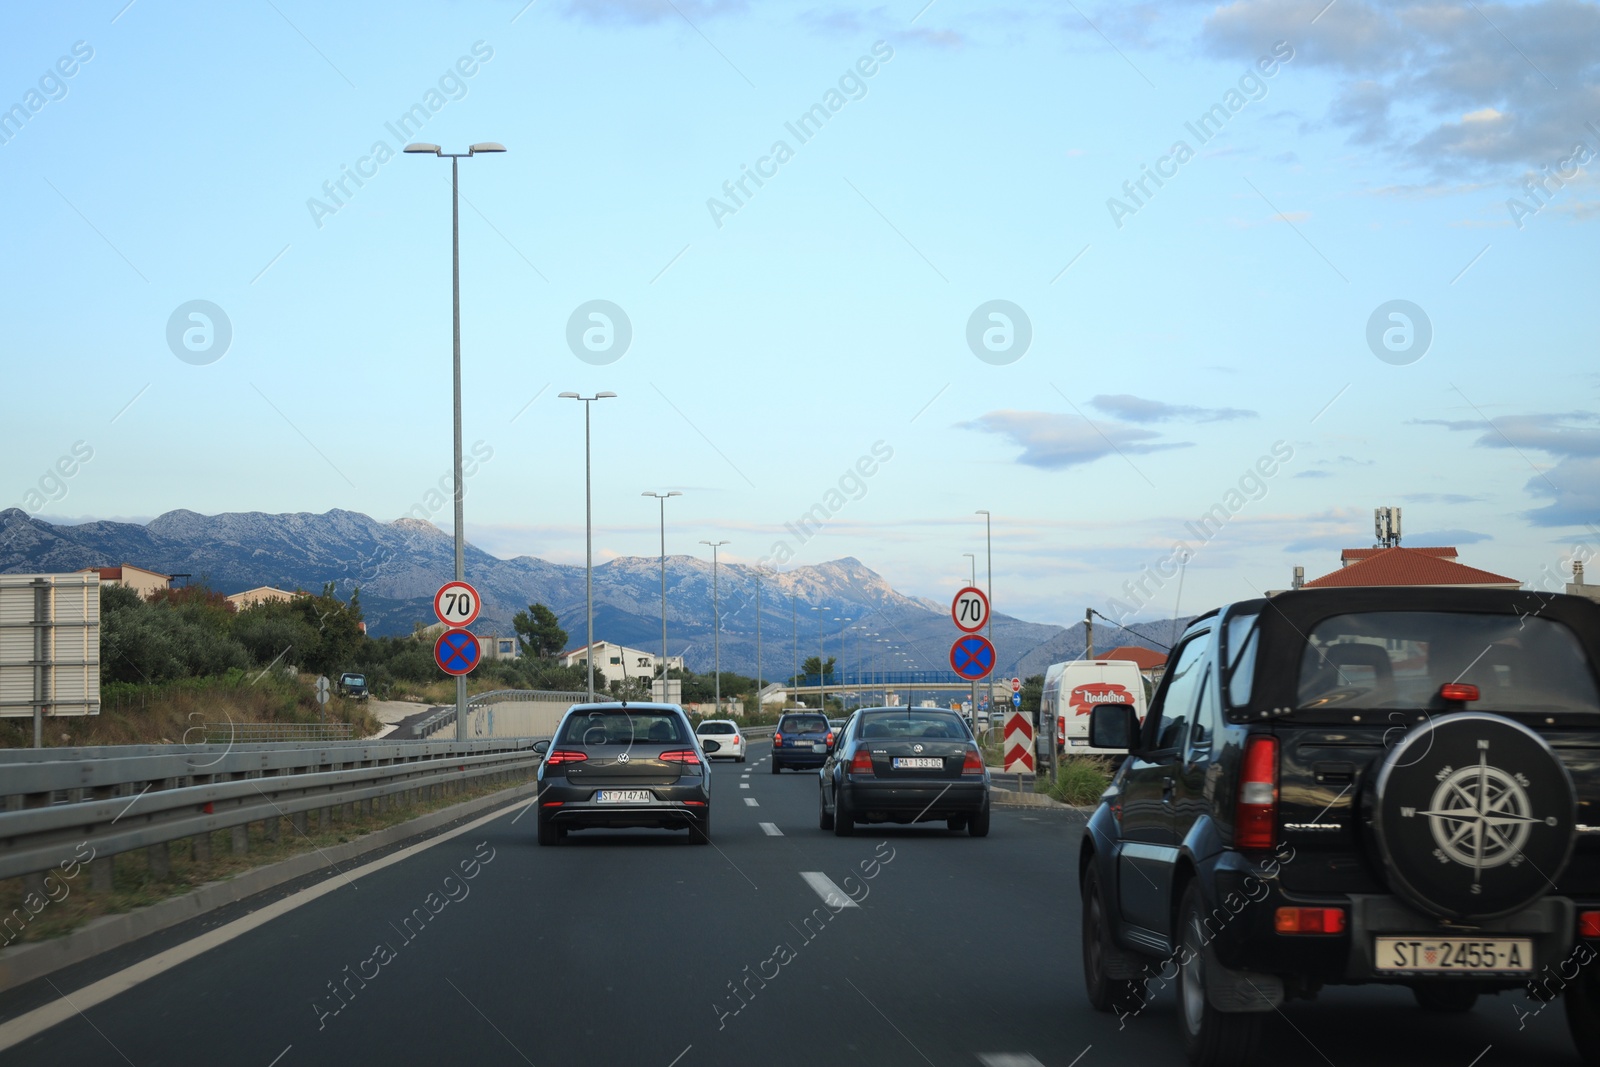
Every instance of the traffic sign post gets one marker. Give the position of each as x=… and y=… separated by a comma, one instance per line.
x=457, y=604
x=1018, y=744
x=457, y=652
x=322, y=696
x=970, y=610
x=972, y=657
x=1016, y=685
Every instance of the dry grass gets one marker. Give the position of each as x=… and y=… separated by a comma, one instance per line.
x=135, y=886
x=163, y=714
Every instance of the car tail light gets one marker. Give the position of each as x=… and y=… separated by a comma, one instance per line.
x=973, y=764
x=566, y=755
x=551, y=804
x=829, y=738
x=861, y=762
x=1255, y=822
x=1460, y=691
x=1589, y=924
x=777, y=740
x=681, y=755
x=1309, y=920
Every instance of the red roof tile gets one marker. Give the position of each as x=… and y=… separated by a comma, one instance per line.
x=1408, y=566
x=1354, y=555
x=1147, y=659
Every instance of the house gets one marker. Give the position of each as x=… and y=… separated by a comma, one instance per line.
x=261, y=594
x=497, y=647
x=1152, y=664
x=1398, y=566
x=616, y=661
x=141, y=581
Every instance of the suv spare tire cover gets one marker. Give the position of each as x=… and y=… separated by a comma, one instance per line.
x=1473, y=816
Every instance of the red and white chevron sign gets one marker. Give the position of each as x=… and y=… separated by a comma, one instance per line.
x=1018, y=745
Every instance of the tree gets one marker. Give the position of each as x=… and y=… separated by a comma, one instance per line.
x=539, y=632
x=813, y=666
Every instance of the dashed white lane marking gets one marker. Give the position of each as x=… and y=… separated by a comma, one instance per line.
x=750, y=802
x=831, y=895
x=770, y=829
x=744, y=785
x=1009, y=1059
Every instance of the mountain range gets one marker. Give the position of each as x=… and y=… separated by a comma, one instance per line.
x=398, y=565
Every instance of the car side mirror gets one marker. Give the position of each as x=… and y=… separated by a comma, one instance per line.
x=710, y=746
x=1113, y=726
x=541, y=747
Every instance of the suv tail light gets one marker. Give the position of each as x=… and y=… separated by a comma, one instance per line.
x=1255, y=822
x=829, y=739
x=973, y=764
x=777, y=740
x=1461, y=691
x=1309, y=921
x=566, y=755
x=1589, y=924
x=680, y=755
x=861, y=762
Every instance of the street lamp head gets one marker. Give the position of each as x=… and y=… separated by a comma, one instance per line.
x=424, y=149
x=604, y=396
x=674, y=492
x=563, y=396
x=486, y=146
x=981, y=511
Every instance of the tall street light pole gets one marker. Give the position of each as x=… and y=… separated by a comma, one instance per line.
x=794, y=606
x=716, y=623
x=588, y=532
x=822, y=667
x=988, y=581
x=758, y=642
x=455, y=370
x=662, y=497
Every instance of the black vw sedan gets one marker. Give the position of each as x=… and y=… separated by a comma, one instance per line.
x=625, y=765
x=904, y=765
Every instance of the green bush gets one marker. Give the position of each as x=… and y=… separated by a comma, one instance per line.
x=1079, y=780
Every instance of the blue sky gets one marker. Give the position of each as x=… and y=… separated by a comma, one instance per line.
x=1180, y=333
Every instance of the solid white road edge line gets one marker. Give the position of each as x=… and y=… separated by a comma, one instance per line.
x=831, y=895
x=43, y=1018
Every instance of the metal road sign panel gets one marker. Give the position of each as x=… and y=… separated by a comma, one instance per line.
x=456, y=652
x=972, y=657
x=456, y=604
x=322, y=689
x=970, y=610
x=1018, y=746
x=1016, y=700
x=1016, y=685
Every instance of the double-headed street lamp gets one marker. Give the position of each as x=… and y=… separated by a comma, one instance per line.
x=455, y=371
x=588, y=533
x=663, y=498
x=716, y=623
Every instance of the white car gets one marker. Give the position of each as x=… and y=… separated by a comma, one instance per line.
x=724, y=732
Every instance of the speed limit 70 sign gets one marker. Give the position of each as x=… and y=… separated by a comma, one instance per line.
x=456, y=604
x=970, y=609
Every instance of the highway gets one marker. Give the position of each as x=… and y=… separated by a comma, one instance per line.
x=635, y=948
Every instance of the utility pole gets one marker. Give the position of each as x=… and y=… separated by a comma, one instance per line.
x=758, y=642
x=1088, y=633
x=716, y=623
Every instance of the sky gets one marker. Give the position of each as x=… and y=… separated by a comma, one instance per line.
x=1101, y=269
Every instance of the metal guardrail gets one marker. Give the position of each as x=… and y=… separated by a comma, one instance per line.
x=119, y=798
x=222, y=733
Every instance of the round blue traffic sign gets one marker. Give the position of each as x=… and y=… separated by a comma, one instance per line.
x=456, y=652
x=972, y=657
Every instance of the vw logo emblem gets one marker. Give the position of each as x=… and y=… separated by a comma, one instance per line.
x=916, y=748
x=622, y=758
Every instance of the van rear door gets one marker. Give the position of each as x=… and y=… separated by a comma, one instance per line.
x=1085, y=684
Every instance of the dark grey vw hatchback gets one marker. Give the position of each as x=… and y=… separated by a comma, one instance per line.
x=625, y=765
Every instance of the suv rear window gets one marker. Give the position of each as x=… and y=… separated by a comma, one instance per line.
x=621, y=728
x=1399, y=659
x=892, y=724
x=803, y=724
x=715, y=728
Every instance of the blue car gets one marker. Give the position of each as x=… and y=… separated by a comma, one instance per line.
x=803, y=739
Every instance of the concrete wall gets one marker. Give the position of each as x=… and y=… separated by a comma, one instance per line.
x=516, y=718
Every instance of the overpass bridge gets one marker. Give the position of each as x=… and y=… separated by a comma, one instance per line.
x=875, y=687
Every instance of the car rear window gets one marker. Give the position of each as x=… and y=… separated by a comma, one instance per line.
x=716, y=728
x=805, y=724
x=1399, y=659
x=621, y=728
x=891, y=724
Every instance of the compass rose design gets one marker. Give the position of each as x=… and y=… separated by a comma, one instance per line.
x=1480, y=816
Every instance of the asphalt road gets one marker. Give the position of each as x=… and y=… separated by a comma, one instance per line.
x=626, y=947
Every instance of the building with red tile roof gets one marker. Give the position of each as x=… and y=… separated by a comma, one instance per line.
x=1408, y=566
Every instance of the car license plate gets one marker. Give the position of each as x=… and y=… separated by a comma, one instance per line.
x=623, y=796
x=917, y=762
x=1455, y=954
x=819, y=747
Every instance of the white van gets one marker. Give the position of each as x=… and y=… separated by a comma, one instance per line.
x=1072, y=688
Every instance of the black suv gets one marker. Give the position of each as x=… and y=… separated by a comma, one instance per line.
x=802, y=739
x=1352, y=786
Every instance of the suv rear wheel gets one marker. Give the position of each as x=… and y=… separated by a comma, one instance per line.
x=1210, y=1037
x=1121, y=995
x=1583, y=1013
